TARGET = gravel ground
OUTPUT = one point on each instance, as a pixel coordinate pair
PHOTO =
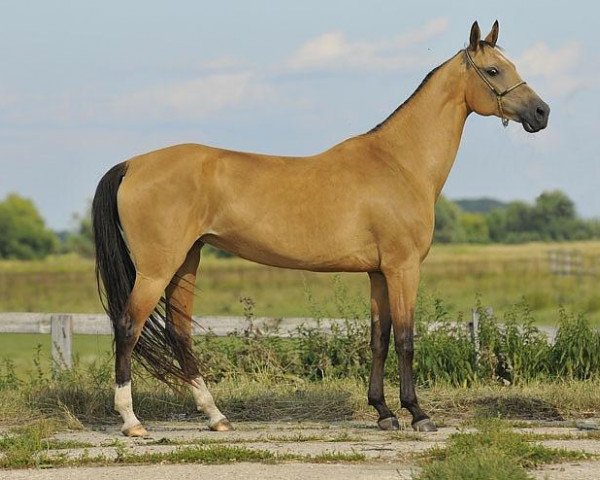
(388, 455)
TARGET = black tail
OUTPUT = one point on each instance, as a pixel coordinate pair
(160, 349)
(114, 268)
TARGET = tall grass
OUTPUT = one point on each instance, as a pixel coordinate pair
(512, 350)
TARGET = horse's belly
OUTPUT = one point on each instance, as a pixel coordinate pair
(323, 256)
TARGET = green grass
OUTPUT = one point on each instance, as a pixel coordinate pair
(21, 349)
(24, 446)
(211, 454)
(501, 274)
(337, 457)
(492, 453)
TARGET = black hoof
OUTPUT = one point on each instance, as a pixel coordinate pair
(424, 425)
(390, 423)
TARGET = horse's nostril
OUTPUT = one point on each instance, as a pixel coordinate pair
(540, 112)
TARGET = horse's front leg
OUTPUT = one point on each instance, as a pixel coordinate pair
(381, 324)
(402, 287)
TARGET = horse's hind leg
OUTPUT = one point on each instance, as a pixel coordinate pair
(180, 298)
(143, 298)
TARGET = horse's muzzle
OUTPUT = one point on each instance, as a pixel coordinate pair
(535, 118)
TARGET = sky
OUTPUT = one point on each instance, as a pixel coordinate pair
(85, 85)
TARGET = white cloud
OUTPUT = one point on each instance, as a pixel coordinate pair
(225, 63)
(195, 98)
(540, 59)
(559, 69)
(228, 82)
(333, 51)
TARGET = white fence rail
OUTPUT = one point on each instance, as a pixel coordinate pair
(99, 324)
(63, 326)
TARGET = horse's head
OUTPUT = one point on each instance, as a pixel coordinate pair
(495, 88)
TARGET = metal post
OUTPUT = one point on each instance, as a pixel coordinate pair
(61, 331)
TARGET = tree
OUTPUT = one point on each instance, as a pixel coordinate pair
(553, 205)
(81, 241)
(447, 225)
(475, 227)
(518, 217)
(554, 216)
(23, 234)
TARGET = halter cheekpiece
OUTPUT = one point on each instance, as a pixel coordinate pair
(498, 94)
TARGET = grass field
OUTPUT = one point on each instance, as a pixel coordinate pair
(501, 275)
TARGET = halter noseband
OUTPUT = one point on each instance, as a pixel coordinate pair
(498, 94)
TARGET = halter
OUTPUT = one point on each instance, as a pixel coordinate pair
(498, 94)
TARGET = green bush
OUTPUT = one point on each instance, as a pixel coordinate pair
(23, 234)
(444, 351)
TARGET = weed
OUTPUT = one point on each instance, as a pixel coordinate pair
(8, 376)
(489, 464)
(213, 454)
(575, 353)
(20, 447)
(331, 457)
(493, 452)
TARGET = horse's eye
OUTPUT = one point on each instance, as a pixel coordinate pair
(492, 71)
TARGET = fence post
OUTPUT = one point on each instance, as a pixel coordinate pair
(474, 330)
(474, 327)
(61, 331)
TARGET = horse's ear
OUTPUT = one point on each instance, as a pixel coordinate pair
(475, 36)
(492, 37)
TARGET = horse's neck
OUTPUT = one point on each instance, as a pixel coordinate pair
(424, 135)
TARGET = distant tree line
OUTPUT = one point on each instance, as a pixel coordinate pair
(552, 217)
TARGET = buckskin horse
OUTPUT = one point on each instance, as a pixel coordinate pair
(364, 205)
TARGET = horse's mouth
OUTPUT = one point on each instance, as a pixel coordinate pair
(534, 117)
(529, 128)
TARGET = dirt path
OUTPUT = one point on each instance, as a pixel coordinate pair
(387, 455)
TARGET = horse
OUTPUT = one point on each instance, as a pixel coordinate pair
(364, 205)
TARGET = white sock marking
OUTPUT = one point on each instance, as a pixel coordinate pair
(124, 405)
(205, 402)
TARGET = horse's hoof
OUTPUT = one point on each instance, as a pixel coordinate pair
(390, 423)
(135, 431)
(222, 425)
(424, 425)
